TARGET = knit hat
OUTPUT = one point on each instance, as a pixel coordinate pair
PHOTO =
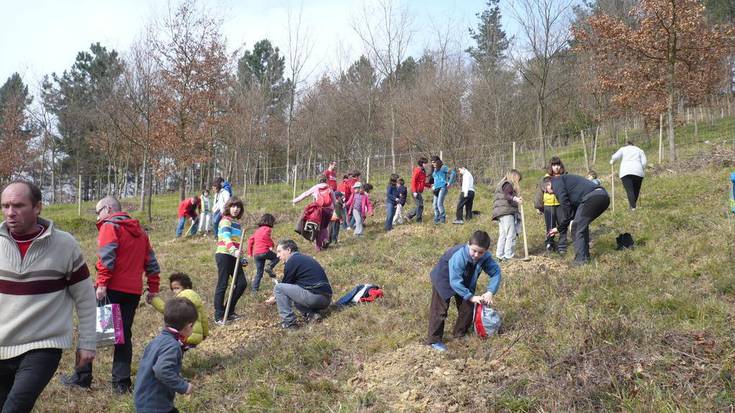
(357, 185)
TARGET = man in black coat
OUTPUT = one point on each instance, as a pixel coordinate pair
(581, 200)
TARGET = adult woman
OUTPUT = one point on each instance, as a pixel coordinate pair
(323, 198)
(632, 163)
(442, 179)
(228, 249)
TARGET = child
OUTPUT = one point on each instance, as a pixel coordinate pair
(260, 247)
(592, 176)
(547, 205)
(466, 196)
(206, 217)
(359, 207)
(181, 286)
(391, 200)
(337, 217)
(443, 179)
(158, 379)
(402, 195)
(346, 189)
(505, 211)
(456, 275)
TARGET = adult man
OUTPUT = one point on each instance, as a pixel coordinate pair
(466, 197)
(418, 184)
(456, 275)
(42, 275)
(304, 285)
(580, 200)
(188, 208)
(124, 253)
(331, 175)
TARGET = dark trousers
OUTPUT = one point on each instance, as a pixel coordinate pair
(592, 206)
(438, 310)
(216, 218)
(225, 269)
(417, 212)
(552, 216)
(334, 231)
(632, 185)
(123, 355)
(23, 378)
(260, 260)
(465, 202)
(390, 212)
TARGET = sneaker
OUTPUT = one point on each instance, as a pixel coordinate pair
(219, 322)
(313, 318)
(440, 347)
(288, 326)
(270, 272)
(233, 317)
(549, 246)
(458, 222)
(72, 380)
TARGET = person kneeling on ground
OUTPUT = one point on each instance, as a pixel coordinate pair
(456, 275)
(159, 372)
(181, 286)
(304, 286)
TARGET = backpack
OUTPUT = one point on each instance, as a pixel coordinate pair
(625, 241)
(324, 198)
(310, 231)
(485, 320)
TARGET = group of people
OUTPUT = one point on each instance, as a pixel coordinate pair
(43, 274)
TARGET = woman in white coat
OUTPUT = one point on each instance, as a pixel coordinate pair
(632, 164)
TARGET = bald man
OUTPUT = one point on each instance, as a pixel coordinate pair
(124, 254)
(42, 276)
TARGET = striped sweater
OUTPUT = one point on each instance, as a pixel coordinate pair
(228, 236)
(37, 293)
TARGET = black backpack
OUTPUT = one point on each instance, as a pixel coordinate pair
(625, 241)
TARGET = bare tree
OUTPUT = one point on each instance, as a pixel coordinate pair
(543, 39)
(300, 48)
(386, 40)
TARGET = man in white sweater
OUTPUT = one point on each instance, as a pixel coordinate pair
(632, 164)
(42, 276)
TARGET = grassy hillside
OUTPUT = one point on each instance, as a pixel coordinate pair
(643, 330)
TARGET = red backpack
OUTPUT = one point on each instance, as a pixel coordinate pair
(324, 198)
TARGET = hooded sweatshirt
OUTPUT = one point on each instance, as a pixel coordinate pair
(124, 253)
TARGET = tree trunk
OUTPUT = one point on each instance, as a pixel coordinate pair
(143, 179)
(540, 131)
(670, 113)
(182, 184)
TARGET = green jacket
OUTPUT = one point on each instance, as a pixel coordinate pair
(201, 326)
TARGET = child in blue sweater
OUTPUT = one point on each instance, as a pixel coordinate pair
(159, 379)
(391, 200)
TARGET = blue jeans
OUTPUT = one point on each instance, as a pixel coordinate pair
(216, 218)
(440, 215)
(390, 211)
(182, 223)
(260, 260)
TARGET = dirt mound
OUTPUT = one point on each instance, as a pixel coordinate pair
(417, 378)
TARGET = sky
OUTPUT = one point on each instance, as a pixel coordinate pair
(44, 36)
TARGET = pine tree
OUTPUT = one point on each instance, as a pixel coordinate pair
(492, 41)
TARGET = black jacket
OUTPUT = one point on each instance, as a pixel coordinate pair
(569, 190)
(307, 273)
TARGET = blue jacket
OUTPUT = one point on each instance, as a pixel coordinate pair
(391, 193)
(402, 194)
(442, 177)
(451, 276)
(158, 379)
(307, 273)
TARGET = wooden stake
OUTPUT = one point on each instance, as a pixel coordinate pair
(660, 137)
(612, 180)
(525, 239)
(79, 195)
(584, 146)
(367, 174)
(295, 169)
(514, 155)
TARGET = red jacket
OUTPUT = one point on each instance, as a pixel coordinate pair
(331, 179)
(260, 242)
(188, 207)
(418, 180)
(124, 253)
(345, 188)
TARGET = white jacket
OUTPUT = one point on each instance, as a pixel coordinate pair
(220, 199)
(468, 182)
(633, 160)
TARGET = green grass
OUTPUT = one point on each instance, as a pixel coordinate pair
(643, 330)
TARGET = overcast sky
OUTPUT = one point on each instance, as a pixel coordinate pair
(38, 37)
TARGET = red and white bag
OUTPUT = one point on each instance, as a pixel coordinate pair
(486, 320)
